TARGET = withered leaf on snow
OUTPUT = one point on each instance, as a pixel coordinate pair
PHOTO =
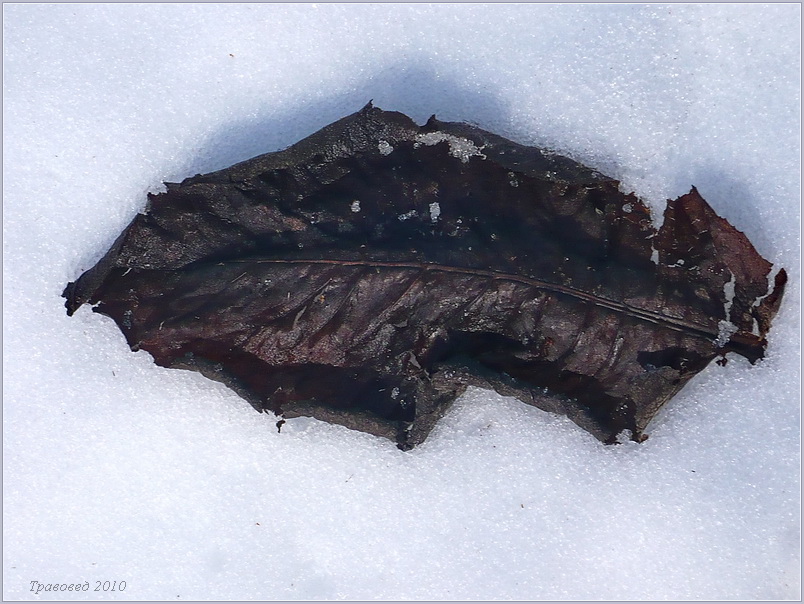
(369, 273)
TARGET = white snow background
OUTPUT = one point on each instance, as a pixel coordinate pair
(115, 469)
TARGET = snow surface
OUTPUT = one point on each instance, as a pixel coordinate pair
(116, 469)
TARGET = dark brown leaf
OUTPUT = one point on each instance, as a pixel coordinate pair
(371, 272)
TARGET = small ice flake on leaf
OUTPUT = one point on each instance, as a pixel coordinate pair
(435, 211)
(728, 292)
(385, 148)
(459, 147)
(725, 329)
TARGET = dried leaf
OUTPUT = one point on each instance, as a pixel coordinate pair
(369, 273)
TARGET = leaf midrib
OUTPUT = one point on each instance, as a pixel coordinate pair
(631, 311)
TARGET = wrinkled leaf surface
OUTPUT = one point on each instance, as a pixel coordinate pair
(371, 272)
